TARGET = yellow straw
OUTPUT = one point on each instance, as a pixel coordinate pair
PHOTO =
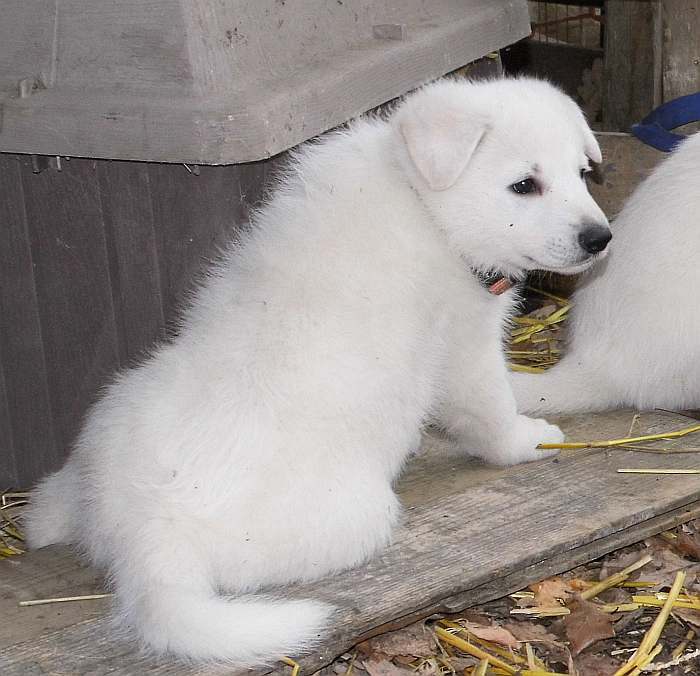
(466, 647)
(628, 440)
(646, 647)
(296, 667)
(481, 669)
(615, 579)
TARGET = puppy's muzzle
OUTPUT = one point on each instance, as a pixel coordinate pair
(594, 238)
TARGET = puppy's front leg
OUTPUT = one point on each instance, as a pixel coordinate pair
(480, 409)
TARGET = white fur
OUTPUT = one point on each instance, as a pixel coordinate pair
(634, 332)
(259, 448)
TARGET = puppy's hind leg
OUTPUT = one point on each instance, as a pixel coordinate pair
(573, 385)
(167, 595)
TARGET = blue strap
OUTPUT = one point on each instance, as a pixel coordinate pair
(654, 128)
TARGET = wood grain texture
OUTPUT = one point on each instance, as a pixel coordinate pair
(95, 260)
(29, 436)
(457, 547)
(632, 75)
(194, 216)
(681, 48)
(222, 82)
(652, 55)
(8, 469)
(49, 572)
(27, 37)
(71, 274)
(127, 211)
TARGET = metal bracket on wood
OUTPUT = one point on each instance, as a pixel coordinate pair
(43, 162)
(30, 85)
(39, 163)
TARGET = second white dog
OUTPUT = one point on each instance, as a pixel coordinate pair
(634, 331)
(259, 448)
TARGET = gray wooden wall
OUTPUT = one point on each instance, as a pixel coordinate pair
(94, 260)
(652, 55)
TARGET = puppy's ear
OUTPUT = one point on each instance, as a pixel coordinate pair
(440, 137)
(591, 147)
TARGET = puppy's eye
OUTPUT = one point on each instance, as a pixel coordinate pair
(524, 187)
(584, 171)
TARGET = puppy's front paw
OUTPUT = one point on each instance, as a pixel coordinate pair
(521, 444)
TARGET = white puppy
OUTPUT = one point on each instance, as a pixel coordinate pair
(634, 332)
(260, 446)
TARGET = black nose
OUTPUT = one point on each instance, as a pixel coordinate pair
(594, 238)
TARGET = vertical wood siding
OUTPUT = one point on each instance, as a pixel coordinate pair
(95, 261)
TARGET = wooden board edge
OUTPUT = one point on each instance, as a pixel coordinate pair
(502, 586)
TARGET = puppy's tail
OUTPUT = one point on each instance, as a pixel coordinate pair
(244, 631)
(572, 386)
(52, 513)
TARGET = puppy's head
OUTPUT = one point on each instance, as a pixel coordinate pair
(500, 165)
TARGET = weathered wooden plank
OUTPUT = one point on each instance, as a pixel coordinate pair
(131, 243)
(193, 216)
(501, 586)
(30, 424)
(527, 515)
(27, 37)
(8, 469)
(71, 274)
(681, 48)
(632, 78)
(467, 545)
(218, 83)
(46, 573)
(87, 621)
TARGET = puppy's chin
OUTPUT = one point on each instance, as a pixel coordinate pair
(573, 268)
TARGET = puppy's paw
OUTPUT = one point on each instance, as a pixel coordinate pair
(521, 444)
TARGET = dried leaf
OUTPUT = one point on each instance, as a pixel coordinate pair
(472, 615)
(615, 595)
(620, 560)
(586, 624)
(526, 602)
(415, 640)
(596, 665)
(492, 633)
(578, 585)
(687, 544)
(459, 664)
(384, 668)
(667, 564)
(531, 632)
(692, 617)
(550, 592)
